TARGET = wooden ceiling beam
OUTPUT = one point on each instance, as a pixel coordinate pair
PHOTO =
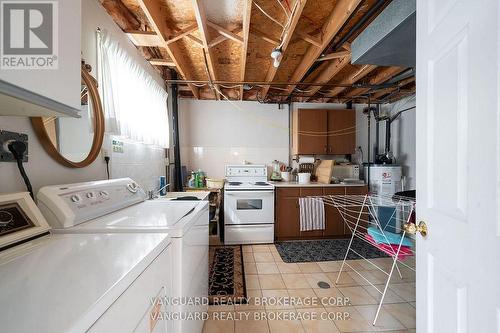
(402, 83)
(161, 62)
(225, 32)
(264, 36)
(340, 14)
(247, 14)
(310, 39)
(219, 39)
(332, 69)
(158, 21)
(150, 38)
(201, 20)
(298, 7)
(183, 33)
(381, 77)
(334, 55)
(351, 79)
(143, 38)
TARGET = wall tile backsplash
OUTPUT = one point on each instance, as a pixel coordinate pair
(143, 163)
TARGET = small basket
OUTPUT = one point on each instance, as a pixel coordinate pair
(215, 183)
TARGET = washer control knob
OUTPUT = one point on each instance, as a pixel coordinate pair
(103, 193)
(90, 195)
(75, 198)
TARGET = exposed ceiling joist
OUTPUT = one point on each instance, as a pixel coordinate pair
(162, 62)
(219, 39)
(184, 32)
(264, 36)
(351, 79)
(247, 14)
(294, 20)
(224, 32)
(144, 38)
(334, 55)
(381, 77)
(199, 12)
(340, 14)
(308, 38)
(332, 69)
(158, 21)
(385, 91)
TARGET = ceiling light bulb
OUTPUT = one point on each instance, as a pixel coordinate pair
(276, 54)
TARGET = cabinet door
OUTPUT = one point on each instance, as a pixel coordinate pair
(287, 218)
(354, 211)
(312, 131)
(334, 221)
(341, 131)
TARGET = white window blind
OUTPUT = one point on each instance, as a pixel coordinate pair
(135, 105)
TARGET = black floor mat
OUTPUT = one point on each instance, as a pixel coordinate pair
(325, 250)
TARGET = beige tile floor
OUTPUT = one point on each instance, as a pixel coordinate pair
(269, 277)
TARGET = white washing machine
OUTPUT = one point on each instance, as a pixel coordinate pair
(84, 282)
(119, 206)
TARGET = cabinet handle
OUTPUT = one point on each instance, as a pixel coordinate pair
(326, 149)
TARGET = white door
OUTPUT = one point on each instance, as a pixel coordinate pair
(458, 160)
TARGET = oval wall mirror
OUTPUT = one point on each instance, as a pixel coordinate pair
(75, 142)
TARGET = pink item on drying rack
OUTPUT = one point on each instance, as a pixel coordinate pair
(404, 252)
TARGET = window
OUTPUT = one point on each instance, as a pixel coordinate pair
(135, 105)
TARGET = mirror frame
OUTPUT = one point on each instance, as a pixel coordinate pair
(43, 136)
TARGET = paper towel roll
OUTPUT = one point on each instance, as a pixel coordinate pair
(306, 159)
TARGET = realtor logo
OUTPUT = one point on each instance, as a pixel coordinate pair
(29, 34)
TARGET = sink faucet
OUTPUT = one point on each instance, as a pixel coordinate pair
(153, 194)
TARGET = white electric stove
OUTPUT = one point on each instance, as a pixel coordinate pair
(119, 206)
(248, 205)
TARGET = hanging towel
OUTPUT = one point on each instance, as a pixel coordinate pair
(390, 237)
(312, 214)
(404, 252)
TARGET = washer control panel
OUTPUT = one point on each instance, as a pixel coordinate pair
(69, 205)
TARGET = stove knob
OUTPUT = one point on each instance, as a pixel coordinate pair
(75, 198)
(90, 195)
(103, 193)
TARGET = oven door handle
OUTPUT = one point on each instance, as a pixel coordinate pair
(255, 192)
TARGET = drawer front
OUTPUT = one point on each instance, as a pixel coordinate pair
(249, 234)
(289, 192)
(311, 191)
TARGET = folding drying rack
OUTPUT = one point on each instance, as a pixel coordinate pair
(362, 211)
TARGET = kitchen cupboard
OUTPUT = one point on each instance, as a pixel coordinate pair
(287, 218)
(323, 132)
(49, 89)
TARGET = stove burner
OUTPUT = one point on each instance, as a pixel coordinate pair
(234, 183)
(261, 183)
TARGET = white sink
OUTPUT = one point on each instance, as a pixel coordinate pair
(201, 195)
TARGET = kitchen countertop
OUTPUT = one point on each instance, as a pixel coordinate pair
(311, 184)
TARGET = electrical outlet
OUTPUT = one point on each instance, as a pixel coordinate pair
(7, 137)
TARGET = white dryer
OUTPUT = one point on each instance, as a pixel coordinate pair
(119, 206)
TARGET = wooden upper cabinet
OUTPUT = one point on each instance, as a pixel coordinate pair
(310, 127)
(341, 131)
(323, 132)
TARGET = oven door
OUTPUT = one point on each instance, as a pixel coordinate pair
(249, 207)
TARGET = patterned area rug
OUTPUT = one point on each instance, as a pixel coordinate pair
(325, 250)
(226, 278)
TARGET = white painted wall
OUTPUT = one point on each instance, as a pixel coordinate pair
(216, 133)
(142, 162)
